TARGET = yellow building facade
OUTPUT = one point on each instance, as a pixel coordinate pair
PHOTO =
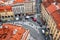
(9, 15)
(50, 23)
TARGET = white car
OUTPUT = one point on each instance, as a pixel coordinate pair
(27, 17)
(17, 18)
(43, 31)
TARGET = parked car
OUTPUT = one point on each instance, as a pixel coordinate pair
(34, 19)
(27, 17)
(39, 23)
(17, 18)
(43, 31)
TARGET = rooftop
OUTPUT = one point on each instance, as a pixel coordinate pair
(3, 8)
(46, 3)
(54, 11)
(7, 7)
(56, 17)
(52, 8)
(58, 1)
(13, 32)
(19, 1)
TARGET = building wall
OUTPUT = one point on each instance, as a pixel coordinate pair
(30, 7)
(26, 35)
(51, 23)
(7, 15)
(26, 7)
(18, 8)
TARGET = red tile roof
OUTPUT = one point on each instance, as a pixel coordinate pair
(1, 8)
(51, 8)
(8, 8)
(58, 5)
(51, 1)
(7, 32)
(46, 4)
(15, 0)
(19, 1)
(3, 0)
(56, 17)
(55, 14)
(58, 1)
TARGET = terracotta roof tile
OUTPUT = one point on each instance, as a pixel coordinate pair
(8, 8)
(58, 1)
(8, 30)
(46, 4)
(51, 1)
(58, 4)
(19, 1)
(56, 17)
(55, 14)
(51, 8)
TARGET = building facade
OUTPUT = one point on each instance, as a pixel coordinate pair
(51, 15)
(18, 9)
(25, 7)
(6, 13)
(30, 7)
(7, 16)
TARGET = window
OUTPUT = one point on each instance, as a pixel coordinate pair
(11, 16)
(19, 14)
(55, 38)
(15, 15)
(3, 17)
(57, 31)
(54, 23)
(56, 35)
(8, 16)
